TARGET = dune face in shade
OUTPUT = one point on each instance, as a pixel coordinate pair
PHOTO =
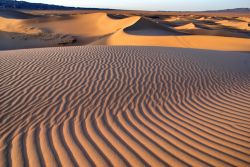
(124, 106)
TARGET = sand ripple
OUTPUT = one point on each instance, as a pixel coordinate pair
(124, 106)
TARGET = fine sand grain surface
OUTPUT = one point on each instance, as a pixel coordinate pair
(124, 106)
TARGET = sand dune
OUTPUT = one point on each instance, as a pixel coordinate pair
(235, 24)
(172, 18)
(186, 26)
(18, 26)
(14, 14)
(20, 33)
(51, 30)
(211, 26)
(152, 33)
(144, 26)
(86, 25)
(182, 41)
(202, 18)
(200, 28)
(246, 19)
(124, 106)
(20, 30)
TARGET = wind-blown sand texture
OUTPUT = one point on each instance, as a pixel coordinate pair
(124, 106)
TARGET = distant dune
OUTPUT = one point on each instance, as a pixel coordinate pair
(146, 27)
(235, 10)
(188, 26)
(124, 106)
(35, 29)
(14, 14)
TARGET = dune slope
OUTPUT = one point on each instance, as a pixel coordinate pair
(15, 14)
(144, 26)
(124, 106)
(181, 41)
(85, 25)
(146, 32)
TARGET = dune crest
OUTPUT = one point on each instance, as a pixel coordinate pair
(235, 24)
(147, 27)
(186, 26)
(95, 24)
(124, 106)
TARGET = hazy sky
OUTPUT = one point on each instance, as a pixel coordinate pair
(167, 5)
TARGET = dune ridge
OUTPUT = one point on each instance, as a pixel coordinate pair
(244, 25)
(147, 27)
(15, 14)
(124, 106)
(187, 26)
(153, 33)
(190, 41)
(94, 24)
(18, 31)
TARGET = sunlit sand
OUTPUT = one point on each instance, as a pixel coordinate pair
(175, 93)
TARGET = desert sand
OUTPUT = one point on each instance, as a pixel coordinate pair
(177, 95)
(124, 106)
(19, 30)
